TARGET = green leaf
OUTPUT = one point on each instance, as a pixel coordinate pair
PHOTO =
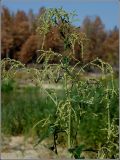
(76, 152)
(46, 134)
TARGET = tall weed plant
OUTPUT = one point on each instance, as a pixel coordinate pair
(86, 102)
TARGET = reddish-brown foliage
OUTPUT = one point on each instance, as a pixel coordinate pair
(111, 47)
(19, 38)
(20, 29)
(29, 50)
(6, 34)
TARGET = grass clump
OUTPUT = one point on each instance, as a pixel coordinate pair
(22, 109)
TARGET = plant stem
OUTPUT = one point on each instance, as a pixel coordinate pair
(108, 112)
(82, 51)
(65, 84)
(108, 122)
(69, 105)
(73, 48)
(43, 41)
(109, 132)
(69, 127)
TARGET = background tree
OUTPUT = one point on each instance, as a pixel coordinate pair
(6, 34)
(95, 32)
(111, 47)
(31, 19)
(28, 52)
(20, 30)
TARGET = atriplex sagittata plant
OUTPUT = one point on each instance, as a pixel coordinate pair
(79, 93)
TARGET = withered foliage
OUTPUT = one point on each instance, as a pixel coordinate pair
(20, 41)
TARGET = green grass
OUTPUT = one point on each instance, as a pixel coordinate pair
(23, 108)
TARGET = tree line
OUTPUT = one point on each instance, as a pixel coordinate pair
(20, 41)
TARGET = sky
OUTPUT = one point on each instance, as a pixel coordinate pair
(107, 10)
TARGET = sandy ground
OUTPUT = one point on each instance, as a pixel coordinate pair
(20, 148)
